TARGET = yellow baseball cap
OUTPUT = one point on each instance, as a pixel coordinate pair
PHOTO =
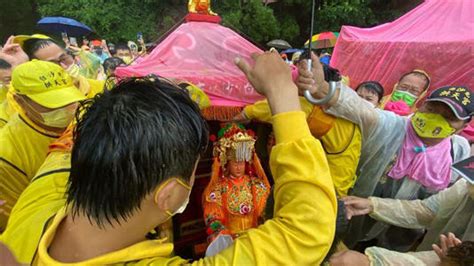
(45, 83)
(20, 39)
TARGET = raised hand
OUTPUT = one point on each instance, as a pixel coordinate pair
(356, 206)
(445, 243)
(311, 80)
(12, 53)
(271, 76)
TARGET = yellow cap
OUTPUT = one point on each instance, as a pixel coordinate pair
(20, 39)
(45, 83)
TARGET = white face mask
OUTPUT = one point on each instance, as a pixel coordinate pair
(59, 118)
(183, 207)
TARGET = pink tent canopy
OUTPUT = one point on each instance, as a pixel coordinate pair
(437, 36)
(202, 53)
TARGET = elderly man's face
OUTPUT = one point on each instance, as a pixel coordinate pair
(412, 83)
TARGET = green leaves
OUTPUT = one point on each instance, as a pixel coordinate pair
(120, 20)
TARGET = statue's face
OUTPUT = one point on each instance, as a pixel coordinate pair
(236, 169)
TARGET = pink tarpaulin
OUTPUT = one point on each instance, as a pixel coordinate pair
(202, 53)
(437, 36)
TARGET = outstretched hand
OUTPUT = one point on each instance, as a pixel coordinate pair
(311, 80)
(271, 76)
(356, 206)
(12, 53)
(445, 243)
(268, 74)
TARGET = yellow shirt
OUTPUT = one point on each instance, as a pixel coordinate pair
(301, 231)
(340, 138)
(38, 203)
(24, 147)
(8, 107)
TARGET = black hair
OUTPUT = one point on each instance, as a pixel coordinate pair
(121, 46)
(31, 46)
(4, 64)
(463, 254)
(418, 74)
(373, 86)
(127, 142)
(111, 63)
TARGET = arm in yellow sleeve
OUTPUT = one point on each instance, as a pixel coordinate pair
(261, 110)
(303, 226)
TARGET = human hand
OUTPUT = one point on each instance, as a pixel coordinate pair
(356, 206)
(312, 80)
(349, 257)
(271, 76)
(241, 118)
(12, 53)
(446, 242)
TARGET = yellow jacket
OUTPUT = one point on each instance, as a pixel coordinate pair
(24, 147)
(340, 138)
(300, 233)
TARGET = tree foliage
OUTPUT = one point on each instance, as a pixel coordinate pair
(120, 20)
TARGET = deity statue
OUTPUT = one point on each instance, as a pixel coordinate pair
(200, 7)
(235, 198)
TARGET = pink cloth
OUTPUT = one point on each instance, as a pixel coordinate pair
(398, 107)
(468, 133)
(202, 53)
(430, 166)
(436, 36)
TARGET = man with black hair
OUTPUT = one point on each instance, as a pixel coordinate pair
(123, 52)
(42, 47)
(5, 78)
(132, 168)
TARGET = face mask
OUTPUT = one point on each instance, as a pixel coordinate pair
(98, 51)
(126, 59)
(405, 96)
(59, 118)
(186, 201)
(3, 88)
(429, 125)
(371, 103)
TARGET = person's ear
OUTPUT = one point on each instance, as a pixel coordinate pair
(161, 197)
(164, 195)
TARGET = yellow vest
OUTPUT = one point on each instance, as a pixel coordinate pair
(340, 138)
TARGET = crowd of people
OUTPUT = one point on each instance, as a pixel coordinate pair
(90, 165)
